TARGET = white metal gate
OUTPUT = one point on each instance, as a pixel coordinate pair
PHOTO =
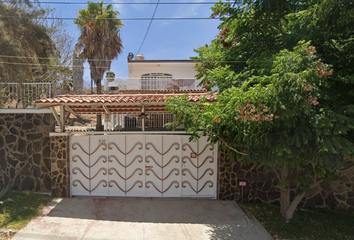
(142, 166)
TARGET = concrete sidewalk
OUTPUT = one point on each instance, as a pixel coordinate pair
(143, 218)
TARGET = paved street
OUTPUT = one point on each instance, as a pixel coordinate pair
(142, 218)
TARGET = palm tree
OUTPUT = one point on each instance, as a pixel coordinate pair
(100, 40)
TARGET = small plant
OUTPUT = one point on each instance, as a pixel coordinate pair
(110, 74)
(3, 192)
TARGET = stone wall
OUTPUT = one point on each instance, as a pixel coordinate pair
(60, 166)
(25, 150)
(261, 186)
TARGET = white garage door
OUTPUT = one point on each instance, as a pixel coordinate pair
(142, 166)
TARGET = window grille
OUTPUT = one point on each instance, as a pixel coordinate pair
(152, 121)
(155, 80)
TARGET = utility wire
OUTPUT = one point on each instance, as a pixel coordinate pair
(71, 67)
(13, 56)
(122, 3)
(51, 58)
(143, 25)
(49, 65)
(147, 31)
(123, 19)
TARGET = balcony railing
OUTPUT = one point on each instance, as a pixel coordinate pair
(115, 84)
(22, 95)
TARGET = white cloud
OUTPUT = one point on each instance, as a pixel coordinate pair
(134, 10)
(142, 7)
(194, 10)
(190, 11)
(120, 7)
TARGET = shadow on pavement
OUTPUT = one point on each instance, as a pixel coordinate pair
(157, 210)
(94, 218)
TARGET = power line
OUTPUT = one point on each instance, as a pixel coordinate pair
(71, 67)
(115, 60)
(123, 19)
(147, 31)
(49, 65)
(121, 3)
(51, 58)
(142, 25)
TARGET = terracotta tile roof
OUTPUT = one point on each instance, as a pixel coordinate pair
(121, 98)
(119, 109)
(161, 91)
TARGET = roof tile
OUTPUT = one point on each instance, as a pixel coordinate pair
(123, 98)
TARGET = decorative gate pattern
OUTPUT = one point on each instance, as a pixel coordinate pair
(163, 163)
(126, 165)
(142, 165)
(198, 173)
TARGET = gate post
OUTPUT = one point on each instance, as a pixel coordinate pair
(60, 169)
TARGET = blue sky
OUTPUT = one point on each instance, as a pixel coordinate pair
(168, 39)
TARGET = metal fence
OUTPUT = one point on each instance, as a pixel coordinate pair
(152, 121)
(22, 95)
(112, 85)
(134, 121)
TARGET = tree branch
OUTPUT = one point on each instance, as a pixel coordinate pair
(346, 168)
(275, 172)
(227, 145)
(315, 184)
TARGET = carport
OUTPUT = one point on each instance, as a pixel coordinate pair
(140, 163)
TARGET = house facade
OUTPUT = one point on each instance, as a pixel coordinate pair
(150, 76)
(155, 75)
(135, 156)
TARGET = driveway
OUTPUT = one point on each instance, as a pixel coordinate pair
(142, 218)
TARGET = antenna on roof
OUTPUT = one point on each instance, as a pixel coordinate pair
(130, 56)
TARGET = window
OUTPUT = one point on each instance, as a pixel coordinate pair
(152, 121)
(155, 80)
(158, 120)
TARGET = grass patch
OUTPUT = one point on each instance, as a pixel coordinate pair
(307, 224)
(25, 206)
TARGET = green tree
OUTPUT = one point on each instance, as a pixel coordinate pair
(58, 70)
(25, 44)
(282, 102)
(100, 40)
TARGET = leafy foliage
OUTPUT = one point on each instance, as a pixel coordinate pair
(284, 73)
(333, 224)
(25, 44)
(59, 71)
(33, 49)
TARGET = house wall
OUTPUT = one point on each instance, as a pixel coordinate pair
(25, 149)
(261, 186)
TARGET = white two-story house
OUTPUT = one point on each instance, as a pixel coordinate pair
(150, 76)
